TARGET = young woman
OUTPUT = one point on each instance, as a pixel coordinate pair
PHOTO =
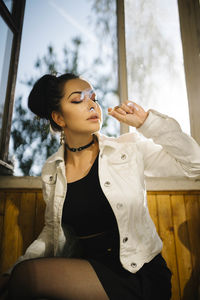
(99, 241)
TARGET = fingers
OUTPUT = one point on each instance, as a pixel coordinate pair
(127, 107)
(118, 114)
(119, 109)
(129, 113)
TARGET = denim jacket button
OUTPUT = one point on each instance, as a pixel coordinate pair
(123, 156)
(125, 239)
(133, 265)
(119, 205)
(50, 178)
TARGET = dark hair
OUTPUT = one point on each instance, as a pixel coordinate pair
(46, 95)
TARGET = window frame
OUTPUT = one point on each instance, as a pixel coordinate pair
(14, 20)
(189, 16)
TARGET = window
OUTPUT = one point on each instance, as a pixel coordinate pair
(9, 4)
(11, 20)
(68, 39)
(155, 67)
(5, 55)
(84, 40)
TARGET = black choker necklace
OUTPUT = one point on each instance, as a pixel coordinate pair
(80, 148)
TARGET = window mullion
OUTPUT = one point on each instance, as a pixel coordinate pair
(189, 14)
(122, 71)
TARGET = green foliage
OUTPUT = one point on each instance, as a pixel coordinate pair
(32, 141)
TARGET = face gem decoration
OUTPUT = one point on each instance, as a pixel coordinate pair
(131, 104)
(87, 94)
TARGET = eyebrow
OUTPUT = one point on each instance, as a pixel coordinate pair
(76, 92)
(79, 92)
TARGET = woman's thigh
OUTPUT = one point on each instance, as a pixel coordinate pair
(55, 278)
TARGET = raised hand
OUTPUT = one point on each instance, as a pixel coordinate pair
(129, 113)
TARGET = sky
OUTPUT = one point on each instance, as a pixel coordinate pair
(50, 21)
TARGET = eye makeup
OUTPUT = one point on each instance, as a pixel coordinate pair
(85, 95)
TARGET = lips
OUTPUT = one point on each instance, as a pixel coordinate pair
(93, 117)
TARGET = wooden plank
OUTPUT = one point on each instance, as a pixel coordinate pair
(152, 205)
(193, 222)
(20, 190)
(168, 192)
(11, 231)
(27, 220)
(39, 214)
(2, 210)
(184, 259)
(167, 236)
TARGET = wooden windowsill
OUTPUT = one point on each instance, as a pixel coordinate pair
(152, 184)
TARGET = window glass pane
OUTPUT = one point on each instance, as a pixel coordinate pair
(154, 58)
(5, 52)
(9, 4)
(77, 36)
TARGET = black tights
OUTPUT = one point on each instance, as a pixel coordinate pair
(55, 278)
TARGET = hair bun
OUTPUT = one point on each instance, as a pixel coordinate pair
(39, 96)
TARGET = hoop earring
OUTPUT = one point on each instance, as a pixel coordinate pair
(62, 137)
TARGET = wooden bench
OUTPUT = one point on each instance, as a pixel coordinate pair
(175, 214)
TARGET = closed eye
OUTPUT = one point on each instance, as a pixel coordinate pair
(76, 102)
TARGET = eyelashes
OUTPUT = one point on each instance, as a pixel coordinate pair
(76, 102)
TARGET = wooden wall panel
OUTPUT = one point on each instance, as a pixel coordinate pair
(175, 214)
(11, 232)
(39, 214)
(183, 254)
(27, 219)
(2, 210)
(193, 223)
(152, 205)
(165, 221)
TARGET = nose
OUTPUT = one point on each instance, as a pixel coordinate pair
(91, 104)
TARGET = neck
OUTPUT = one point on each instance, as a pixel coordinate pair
(77, 157)
(77, 140)
(81, 148)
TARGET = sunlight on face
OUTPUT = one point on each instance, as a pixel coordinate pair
(79, 106)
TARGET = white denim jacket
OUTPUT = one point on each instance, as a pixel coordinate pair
(123, 164)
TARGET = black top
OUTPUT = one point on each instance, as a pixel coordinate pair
(86, 209)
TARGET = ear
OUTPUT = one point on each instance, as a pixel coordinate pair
(58, 118)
